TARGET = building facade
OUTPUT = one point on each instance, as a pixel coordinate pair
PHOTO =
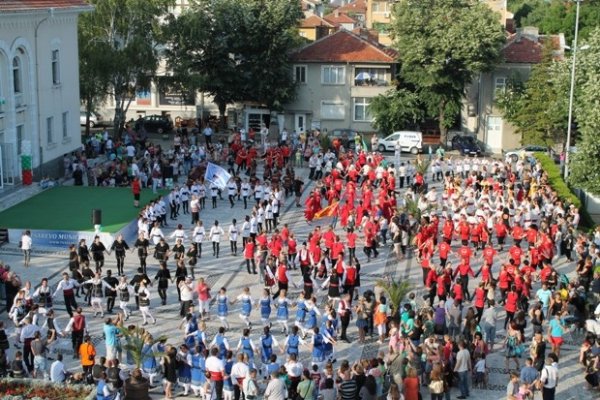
(39, 85)
(337, 76)
(481, 115)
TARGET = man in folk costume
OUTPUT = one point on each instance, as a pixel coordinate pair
(303, 258)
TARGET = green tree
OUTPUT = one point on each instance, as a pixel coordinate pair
(236, 50)
(583, 166)
(556, 16)
(395, 109)
(442, 45)
(539, 107)
(94, 70)
(128, 34)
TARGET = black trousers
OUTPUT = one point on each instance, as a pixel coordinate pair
(120, 263)
(233, 245)
(216, 247)
(28, 354)
(345, 320)
(76, 340)
(218, 388)
(248, 262)
(163, 295)
(237, 393)
(110, 303)
(214, 201)
(143, 263)
(70, 303)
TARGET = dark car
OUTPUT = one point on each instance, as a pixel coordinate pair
(157, 123)
(466, 145)
(345, 136)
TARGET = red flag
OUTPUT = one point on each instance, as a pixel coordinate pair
(328, 211)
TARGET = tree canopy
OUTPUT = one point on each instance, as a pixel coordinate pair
(557, 16)
(442, 45)
(236, 50)
(395, 109)
(583, 167)
(127, 35)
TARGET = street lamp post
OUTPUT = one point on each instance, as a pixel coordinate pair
(572, 91)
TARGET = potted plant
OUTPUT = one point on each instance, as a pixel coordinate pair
(395, 293)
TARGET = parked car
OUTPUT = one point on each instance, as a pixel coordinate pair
(157, 123)
(466, 145)
(345, 136)
(528, 150)
(410, 141)
(95, 119)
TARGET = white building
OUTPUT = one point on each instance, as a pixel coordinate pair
(39, 84)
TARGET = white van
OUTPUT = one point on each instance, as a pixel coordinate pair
(410, 141)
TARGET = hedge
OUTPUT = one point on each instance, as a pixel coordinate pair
(557, 183)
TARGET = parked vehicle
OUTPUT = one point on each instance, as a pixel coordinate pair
(410, 141)
(157, 123)
(95, 119)
(345, 136)
(514, 154)
(466, 145)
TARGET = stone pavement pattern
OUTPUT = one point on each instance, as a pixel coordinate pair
(230, 272)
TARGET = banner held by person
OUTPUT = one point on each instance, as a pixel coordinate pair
(217, 175)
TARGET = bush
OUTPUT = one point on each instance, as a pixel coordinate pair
(557, 183)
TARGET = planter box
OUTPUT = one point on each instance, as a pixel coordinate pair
(36, 389)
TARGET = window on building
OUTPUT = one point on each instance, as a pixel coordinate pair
(17, 81)
(55, 67)
(49, 129)
(300, 73)
(20, 131)
(361, 109)
(370, 77)
(332, 110)
(65, 124)
(333, 75)
(500, 85)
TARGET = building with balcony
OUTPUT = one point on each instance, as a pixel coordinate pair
(337, 76)
(39, 85)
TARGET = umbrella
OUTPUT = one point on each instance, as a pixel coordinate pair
(362, 76)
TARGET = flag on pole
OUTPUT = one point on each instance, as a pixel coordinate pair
(328, 211)
(217, 175)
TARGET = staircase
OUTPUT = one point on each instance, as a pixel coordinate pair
(3, 236)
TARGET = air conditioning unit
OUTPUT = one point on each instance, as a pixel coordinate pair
(386, 14)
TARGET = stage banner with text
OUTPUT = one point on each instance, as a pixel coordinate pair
(62, 239)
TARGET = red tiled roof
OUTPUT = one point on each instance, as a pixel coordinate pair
(314, 21)
(522, 50)
(339, 19)
(344, 46)
(22, 5)
(357, 6)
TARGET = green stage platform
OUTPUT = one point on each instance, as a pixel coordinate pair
(69, 208)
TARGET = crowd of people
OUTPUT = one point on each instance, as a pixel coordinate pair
(488, 239)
